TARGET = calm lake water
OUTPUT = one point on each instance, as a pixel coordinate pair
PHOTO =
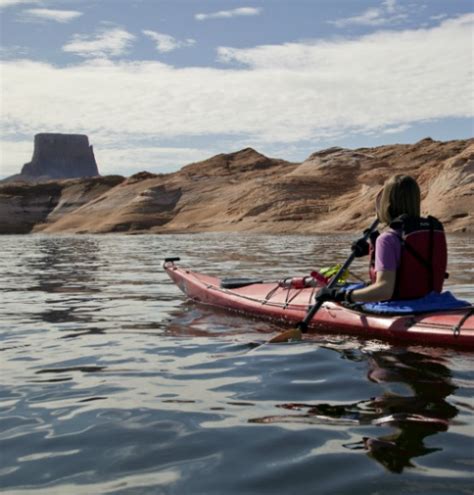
(112, 383)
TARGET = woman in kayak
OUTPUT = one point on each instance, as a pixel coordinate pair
(408, 261)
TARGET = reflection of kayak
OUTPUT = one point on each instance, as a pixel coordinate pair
(288, 304)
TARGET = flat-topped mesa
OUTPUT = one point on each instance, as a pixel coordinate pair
(61, 156)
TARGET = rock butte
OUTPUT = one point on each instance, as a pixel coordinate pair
(58, 156)
(332, 191)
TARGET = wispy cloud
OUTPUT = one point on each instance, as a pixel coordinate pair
(11, 3)
(389, 12)
(62, 16)
(107, 43)
(13, 51)
(390, 5)
(226, 14)
(14, 154)
(166, 43)
(397, 129)
(288, 93)
(117, 159)
(438, 17)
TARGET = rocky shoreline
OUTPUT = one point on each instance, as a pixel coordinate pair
(332, 191)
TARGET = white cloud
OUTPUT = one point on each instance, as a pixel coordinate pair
(382, 53)
(389, 12)
(166, 43)
(62, 16)
(107, 43)
(397, 129)
(226, 14)
(283, 94)
(13, 51)
(13, 155)
(438, 17)
(390, 6)
(10, 3)
(128, 161)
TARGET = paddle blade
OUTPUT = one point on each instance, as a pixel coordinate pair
(293, 334)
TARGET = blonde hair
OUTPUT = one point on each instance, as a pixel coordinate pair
(400, 195)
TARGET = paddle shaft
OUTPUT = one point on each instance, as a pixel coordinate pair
(303, 325)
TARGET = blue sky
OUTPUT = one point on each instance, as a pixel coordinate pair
(159, 84)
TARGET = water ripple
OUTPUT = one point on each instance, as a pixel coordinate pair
(112, 383)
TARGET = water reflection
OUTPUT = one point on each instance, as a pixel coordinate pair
(413, 417)
(63, 266)
(425, 413)
(109, 378)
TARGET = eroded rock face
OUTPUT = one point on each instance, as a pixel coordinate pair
(332, 191)
(61, 156)
(24, 207)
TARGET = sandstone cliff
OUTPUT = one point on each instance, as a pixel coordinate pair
(333, 190)
(24, 207)
(59, 156)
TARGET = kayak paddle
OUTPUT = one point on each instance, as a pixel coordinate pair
(302, 326)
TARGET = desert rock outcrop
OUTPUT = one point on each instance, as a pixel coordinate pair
(332, 191)
(24, 207)
(59, 156)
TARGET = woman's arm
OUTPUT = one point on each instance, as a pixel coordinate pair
(381, 290)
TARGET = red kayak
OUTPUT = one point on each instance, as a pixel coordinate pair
(288, 305)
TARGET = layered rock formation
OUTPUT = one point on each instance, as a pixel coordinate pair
(59, 156)
(24, 207)
(333, 190)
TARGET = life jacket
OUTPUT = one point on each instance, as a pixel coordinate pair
(423, 258)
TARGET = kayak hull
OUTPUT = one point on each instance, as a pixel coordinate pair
(286, 305)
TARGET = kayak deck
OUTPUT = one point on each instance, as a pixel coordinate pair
(289, 306)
